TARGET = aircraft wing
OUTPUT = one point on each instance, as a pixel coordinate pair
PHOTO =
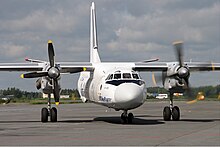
(163, 66)
(203, 66)
(20, 67)
(66, 67)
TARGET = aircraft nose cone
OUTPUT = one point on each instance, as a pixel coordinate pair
(129, 93)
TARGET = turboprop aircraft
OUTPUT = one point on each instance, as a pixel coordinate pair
(116, 85)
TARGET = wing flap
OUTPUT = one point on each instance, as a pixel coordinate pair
(157, 66)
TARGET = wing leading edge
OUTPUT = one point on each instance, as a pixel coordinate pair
(66, 67)
(163, 66)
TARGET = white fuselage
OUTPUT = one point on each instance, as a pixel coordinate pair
(114, 85)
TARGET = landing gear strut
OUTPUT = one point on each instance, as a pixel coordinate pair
(171, 110)
(127, 118)
(46, 112)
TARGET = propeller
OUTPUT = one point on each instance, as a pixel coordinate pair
(53, 73)
(183, 71)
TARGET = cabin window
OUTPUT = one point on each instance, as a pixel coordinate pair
(126, 75)
(117, 76)
(135, 76)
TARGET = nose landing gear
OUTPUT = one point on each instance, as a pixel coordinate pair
(127, 118)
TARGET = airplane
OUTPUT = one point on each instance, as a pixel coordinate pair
(116, 85)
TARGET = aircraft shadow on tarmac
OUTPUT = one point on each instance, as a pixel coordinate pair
(116, 120)
(136, 121)
(199, 120)
(19, 121)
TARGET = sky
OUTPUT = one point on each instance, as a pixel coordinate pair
(128, 30)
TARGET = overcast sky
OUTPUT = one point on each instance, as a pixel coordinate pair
(128, 30)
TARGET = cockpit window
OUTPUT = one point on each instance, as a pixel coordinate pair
(126, 76)
(109, 77)
(135, 76)
(117, 76)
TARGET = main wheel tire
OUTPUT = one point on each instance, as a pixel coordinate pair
(166, 113)
(130, 118)
(176, 113)
(44, 115)
(53, 114)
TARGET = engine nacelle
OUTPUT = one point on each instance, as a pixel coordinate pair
(175, 79)
(46, 85)
(175, 85)
(38, 84)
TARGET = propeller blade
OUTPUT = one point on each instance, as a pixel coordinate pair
(56, 91)
(178, 45)
(157, 78)
(154, 80)
(34, 75)
(200, 96)
(51, 53)
(189, 91)
(192, 101)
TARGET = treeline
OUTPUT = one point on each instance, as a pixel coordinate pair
(208, 91)
(17, 93)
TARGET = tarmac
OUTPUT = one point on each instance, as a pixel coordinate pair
(90, 124)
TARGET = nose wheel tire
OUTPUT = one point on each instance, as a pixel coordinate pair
(44, 115)
(124, 118)
(130, 118)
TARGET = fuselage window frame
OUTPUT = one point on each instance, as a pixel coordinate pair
(126, 76)
(117, 76)
(135, 76)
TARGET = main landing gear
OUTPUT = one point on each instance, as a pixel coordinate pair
(127, 117)
(46, 112)
(171, 110)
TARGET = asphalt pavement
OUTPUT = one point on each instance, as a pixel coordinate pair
(90, 124)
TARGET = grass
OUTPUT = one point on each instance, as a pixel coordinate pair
(41, 101)
(38, 101)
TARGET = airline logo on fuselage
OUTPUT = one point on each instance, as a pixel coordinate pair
(104, 99)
